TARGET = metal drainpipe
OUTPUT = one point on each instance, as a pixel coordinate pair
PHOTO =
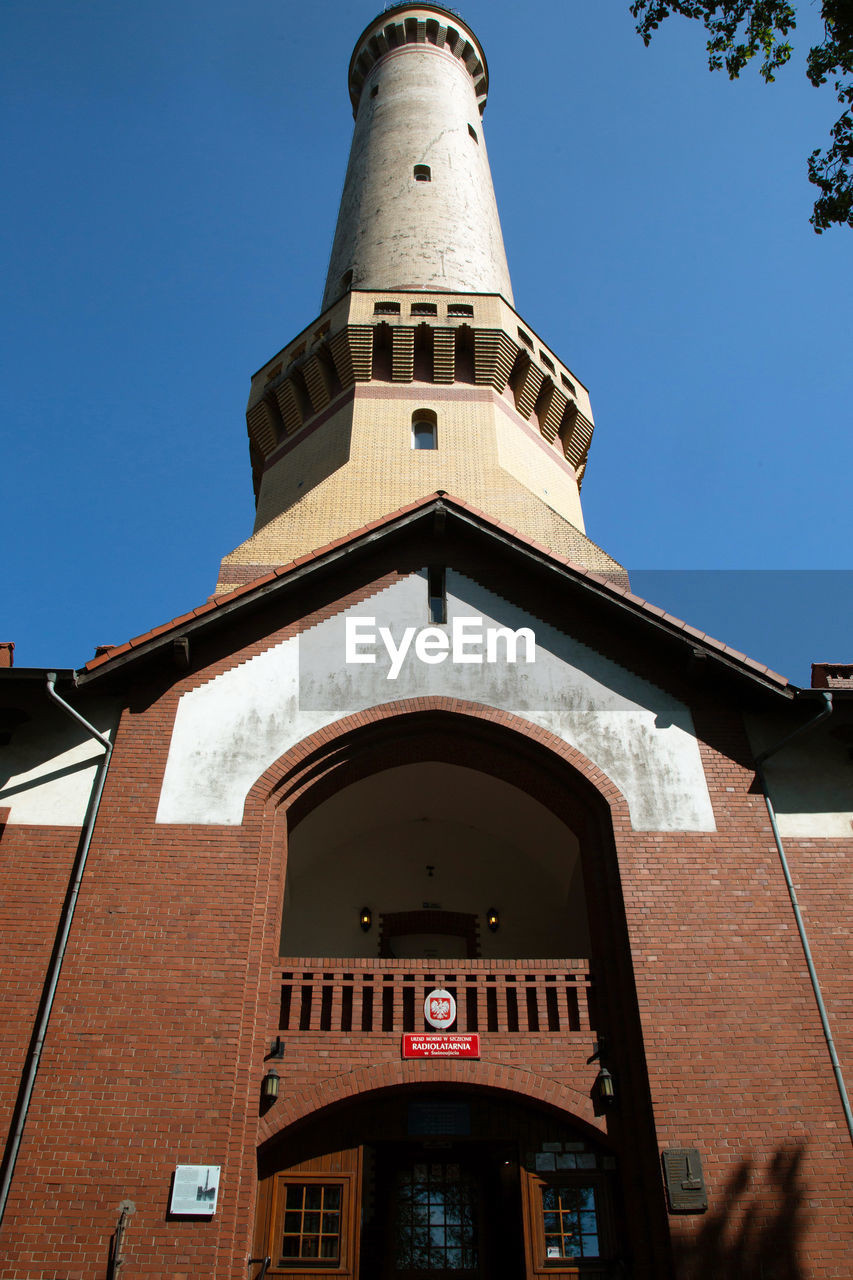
(13, 1143)
(792, 893)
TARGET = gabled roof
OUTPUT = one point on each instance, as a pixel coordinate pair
(436, 513)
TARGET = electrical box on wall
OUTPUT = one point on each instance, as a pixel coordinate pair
(685, 1183)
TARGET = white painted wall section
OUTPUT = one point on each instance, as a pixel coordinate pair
(810, 781)
(49, 768)
(229, 731)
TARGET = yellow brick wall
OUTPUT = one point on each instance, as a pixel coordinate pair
(359, 466)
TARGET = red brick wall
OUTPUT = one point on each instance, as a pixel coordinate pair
(35, 867)
(169, 1000)
(738, 1063)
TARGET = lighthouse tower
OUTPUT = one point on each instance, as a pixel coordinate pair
(418, 375)
(421, 905)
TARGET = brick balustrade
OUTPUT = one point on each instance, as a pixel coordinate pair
(376, 996)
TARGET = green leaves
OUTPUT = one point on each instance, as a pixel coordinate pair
(740, 30)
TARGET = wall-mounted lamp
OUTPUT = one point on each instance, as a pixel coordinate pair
(493, 920)
(602, 1093)
(365, 918)
(603, 1088)
(269, 1086)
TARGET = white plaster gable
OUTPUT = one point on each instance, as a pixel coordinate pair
(49, 768)
(230, 730)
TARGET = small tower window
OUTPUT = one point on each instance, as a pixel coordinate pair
(374, 91)
(436, 594)
(386, 308)
(570, 386)
(460, 309)
(423, 173)
(424, 429)
(346, 281)
(473, 133)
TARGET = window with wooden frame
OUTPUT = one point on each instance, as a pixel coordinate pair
(311, 1224)
(569, 1225)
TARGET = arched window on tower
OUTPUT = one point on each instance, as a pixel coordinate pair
(422, 173)
(424, 429)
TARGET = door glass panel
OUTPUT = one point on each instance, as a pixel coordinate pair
(435, 1219)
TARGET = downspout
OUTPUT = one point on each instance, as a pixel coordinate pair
(823, 714)
(25, 1093)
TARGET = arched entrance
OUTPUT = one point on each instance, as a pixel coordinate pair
(425, 1183)
(354, 818)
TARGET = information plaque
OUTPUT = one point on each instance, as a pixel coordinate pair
(195, 1189)
(441, 1046)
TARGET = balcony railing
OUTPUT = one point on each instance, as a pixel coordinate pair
(375, 996)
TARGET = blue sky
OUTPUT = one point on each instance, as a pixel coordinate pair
(173, 173)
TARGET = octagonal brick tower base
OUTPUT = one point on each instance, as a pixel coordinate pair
(331, 427)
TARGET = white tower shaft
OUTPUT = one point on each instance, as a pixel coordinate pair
(418, 209)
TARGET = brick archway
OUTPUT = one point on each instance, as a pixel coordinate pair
(351, 747)
(524, 1085)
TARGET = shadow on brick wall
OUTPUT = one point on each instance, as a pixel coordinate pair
(758, 1232)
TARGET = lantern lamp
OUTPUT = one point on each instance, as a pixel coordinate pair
(493, 920)
(604, 1091)
(365, 918)
(269, 1085)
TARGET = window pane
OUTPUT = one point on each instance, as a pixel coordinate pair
(569, 1222)
(423, 435)
(312, 1221)
(438, 1233)
(571, 1247)
(590, 1246)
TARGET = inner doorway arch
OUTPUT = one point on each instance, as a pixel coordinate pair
(437, 1183)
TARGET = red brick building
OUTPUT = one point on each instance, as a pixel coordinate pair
(424, 739)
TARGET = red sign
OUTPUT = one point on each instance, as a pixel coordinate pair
(441, 1046)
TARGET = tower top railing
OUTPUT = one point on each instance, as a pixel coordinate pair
(411, 23)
